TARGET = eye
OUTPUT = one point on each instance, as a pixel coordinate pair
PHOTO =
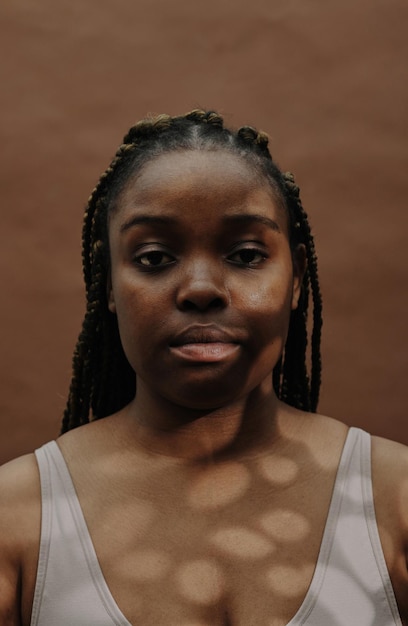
(248, 257)
(153, 259)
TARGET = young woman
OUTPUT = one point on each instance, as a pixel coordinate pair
(211, 493)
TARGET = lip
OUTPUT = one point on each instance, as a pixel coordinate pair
(204, 344)
(210, 352)
(203, 334)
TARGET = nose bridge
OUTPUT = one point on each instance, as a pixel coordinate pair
(203, 266)
(202, 282)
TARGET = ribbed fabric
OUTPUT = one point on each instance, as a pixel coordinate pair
(350, 585)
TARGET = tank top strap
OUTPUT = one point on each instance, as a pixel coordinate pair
(43, 462)
(351, 584)
(70, 586)
(368, 499)
(313, 596)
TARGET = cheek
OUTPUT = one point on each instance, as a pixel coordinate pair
(134, 298)
(269, 320)
(133, 310)
(271, 302)
(144, 306)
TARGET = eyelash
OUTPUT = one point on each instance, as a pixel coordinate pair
(149, 267)
(153, 253)
(257, 252)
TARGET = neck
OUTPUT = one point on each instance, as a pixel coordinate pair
(241, 428)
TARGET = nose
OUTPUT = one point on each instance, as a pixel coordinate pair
(202, 287)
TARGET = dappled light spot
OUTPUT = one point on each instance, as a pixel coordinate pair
(242, 543)
(151, 565)
(285, 525)
(290, 581)
(219, 485)
(279, 470)
(201, 581)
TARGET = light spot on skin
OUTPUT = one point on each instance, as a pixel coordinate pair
(201, 581)
(242, 543)
(151, 565)
(285, 525)
(290, 581)
(278, 470)
(219, 486)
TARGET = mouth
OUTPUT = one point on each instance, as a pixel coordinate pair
(204, 344)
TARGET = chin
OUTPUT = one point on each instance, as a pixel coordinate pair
(212, 397)
(208, 402)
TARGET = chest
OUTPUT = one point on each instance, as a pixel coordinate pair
(236, 561)
(229, 548)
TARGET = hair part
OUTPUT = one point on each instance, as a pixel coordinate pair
(103, 381)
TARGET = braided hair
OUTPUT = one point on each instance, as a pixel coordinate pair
(103, 381)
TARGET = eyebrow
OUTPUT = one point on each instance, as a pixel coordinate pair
(138, 220)
(252, 217)
(236, 218)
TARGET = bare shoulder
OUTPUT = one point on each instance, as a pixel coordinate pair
(20, 514)
(390, 483)
(390, 470)
(390, 487)
(20, 490)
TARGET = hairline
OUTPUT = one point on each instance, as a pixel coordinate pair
(253, 161)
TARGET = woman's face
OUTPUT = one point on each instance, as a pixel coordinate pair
(202, 278)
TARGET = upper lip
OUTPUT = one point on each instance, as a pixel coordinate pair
(203, 334)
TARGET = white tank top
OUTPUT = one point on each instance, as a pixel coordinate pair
(350, 586)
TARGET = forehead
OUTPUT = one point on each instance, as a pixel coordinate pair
(210, 183)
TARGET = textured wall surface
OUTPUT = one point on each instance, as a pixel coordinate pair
(328, 81)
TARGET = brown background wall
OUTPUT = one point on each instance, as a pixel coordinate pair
(327, 80)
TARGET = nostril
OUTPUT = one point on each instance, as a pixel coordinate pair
(200, 291)
(202, 304)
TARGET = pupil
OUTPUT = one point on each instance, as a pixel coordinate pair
(155, 258)
(247, 256)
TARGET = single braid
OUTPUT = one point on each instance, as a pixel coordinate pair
(252, 136)
(204, 117)
(103, 381)
(311, 278)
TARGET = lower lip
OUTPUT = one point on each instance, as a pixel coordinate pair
(205, 352)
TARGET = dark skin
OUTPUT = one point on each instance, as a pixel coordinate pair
(218, 493)
(230, 274)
